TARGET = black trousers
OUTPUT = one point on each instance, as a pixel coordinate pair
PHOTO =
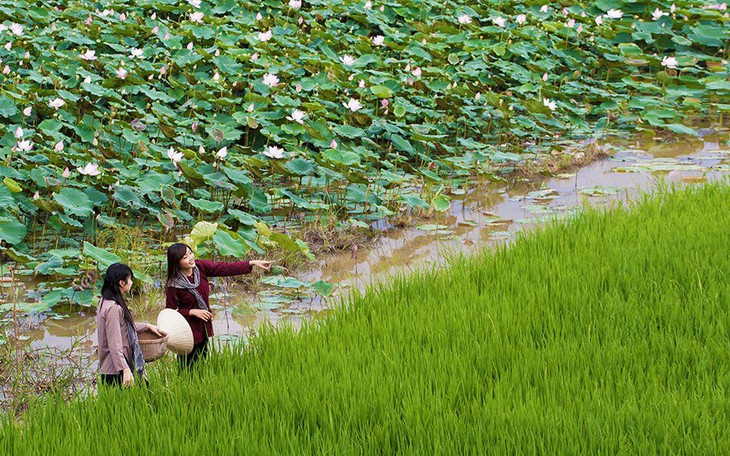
(116, 379)
(200, 350)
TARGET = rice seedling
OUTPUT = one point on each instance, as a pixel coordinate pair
(603, 334)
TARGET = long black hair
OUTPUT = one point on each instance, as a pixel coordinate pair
(110, 289)
(175, 253)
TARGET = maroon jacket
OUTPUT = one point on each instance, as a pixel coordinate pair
(184, 301)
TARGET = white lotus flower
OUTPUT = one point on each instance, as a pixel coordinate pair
(297, 116)
(571, 23)
(521, 19)
(137, 53)
(88, 55)
(56, 103)
(216, 77)
(222, 152)
(271, 80)
(176, 157)
(347, 60)
(361, 84)
(196, 16)
(265, 36)
(259, 16)
(59, 146)
(18, 133)
(24, 146)
(599, 20)
(91, 169)
(17, 29)
(295, 4)
(87, 79)
(353, 105)
(464, 19)
(544, 8)
(274, 152)
(669, 62)
(121, 73)
(8, 45)
(417, 72)
(378, 40)
(190, 46)
(368, 5)
(195, 3)
(672, 8)
(545, 77)
(6, 70)
(500, 21)
(250, 108)
(553, 105)
(27, 111)
(614, 14)
(122, 17)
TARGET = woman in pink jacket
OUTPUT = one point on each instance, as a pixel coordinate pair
(119, 351)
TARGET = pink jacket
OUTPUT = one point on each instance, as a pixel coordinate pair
(111, 332)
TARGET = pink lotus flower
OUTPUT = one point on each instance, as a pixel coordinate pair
(91, 169)
(599, 20)
(222, 152)
(56, 103)
(368, 5)
(614, 14)
(295, 4)
(216, 77)
(265, 36)
(347, 60)
(378, 40)
(89, 20)
(122, 17)
(155, 30)
(580, 28)
(298, 88)
(121, 73)
(669, 62)
(88, 55)
(544, 8)
(196, 17)
(27, 111)
(8, 45)
(464, 19)
(361, 84)
(333, 144)
(571, 23)
(176, 157)
(6, 70)
(657, 14)
(500, 21)
(384, 103)
(297, 116)
(521, 19)
(416, 72)
(87, 79)
(190, 46)
(255, 56)
(270, 80)
(250, 108)
(259, 16)
(66, 173)
(24, 146)
(17, 29)
(545, 77)
(59, 146)
(154, 16)
(18, 133)
(138, 53)
(274, 152)
(195, 3)
(353, 105)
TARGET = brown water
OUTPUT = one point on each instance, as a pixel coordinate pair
(475, 220)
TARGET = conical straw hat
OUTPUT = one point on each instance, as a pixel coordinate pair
(180, 336)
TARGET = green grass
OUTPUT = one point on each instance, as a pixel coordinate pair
(607, 334)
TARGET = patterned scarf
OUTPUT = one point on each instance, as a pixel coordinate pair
(136, 349)
(183, 283)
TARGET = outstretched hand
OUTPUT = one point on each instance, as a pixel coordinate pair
(154, 329)
(263, 264)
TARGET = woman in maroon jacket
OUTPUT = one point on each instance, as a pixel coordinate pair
(188, 290)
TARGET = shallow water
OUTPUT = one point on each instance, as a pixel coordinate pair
(481, 217)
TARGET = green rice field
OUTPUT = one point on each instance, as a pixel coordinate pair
(605, 334)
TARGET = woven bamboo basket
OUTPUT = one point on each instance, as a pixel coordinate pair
(153, 346)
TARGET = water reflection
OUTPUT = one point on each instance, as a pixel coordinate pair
(491, 213)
